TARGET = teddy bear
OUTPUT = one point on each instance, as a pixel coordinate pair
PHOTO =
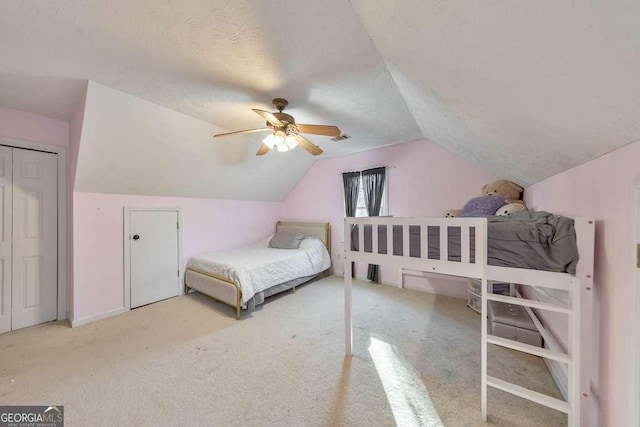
(452, 213)
(510, 208)
(509, 191)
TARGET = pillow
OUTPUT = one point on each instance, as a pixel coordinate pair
(482, 206)
(286, 240)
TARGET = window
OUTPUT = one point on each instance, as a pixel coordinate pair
(361, 209)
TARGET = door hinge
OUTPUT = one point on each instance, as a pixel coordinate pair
(638, 255)
(178, 225)
(178, 273)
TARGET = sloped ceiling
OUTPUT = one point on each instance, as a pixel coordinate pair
(527, 89)
(215, 60)
(153, 150)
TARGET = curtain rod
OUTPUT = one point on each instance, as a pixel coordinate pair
(375, 167)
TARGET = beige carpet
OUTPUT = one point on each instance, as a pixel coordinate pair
(187, 361)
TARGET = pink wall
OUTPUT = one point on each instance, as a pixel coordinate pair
(426, 180)
(22, 125)
(601, 189)
(98, 239)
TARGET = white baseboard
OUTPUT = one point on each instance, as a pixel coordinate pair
(386, 282)
(455, 291)
(418, 273)
(96, 317)
(364, 279)
(459, 292)
(434, 283)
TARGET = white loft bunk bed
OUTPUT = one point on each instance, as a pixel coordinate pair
(578, 309)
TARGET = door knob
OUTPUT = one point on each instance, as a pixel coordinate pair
(136, 237)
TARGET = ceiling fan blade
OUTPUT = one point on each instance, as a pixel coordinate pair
(263, 150)
(319, 130)
(268, 117)
(242, 131)
(308, 145)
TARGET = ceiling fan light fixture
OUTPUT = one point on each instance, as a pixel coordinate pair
(269, 141)
(281, 141)
(291, 142)
(275, 139)
(284, 133)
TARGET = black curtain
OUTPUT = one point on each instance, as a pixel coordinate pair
(351, 183)
(373, 189)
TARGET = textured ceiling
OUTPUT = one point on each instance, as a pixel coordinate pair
(48, 96)
(215, 60)
(527, 89)
(157, 151)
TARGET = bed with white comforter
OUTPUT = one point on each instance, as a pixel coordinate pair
(258, 267)
(244, 277)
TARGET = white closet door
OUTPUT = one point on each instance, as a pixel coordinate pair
(5, 238)
(34, 284)
(154, 256)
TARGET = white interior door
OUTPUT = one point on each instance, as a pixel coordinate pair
(35, 258)
(5, 237)
(153, 256)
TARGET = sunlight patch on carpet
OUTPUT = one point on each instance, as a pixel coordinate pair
(406, 393)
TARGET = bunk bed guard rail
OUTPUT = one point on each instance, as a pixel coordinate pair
(437, 245)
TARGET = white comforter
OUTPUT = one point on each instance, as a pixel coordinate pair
(258, 267)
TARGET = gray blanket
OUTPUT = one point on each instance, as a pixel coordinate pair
(534, 240)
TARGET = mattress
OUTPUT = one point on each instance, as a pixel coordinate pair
(533, 240)
(258, 267)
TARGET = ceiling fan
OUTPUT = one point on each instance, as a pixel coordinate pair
(285, 132)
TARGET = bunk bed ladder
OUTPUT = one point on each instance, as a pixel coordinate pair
(572, 359)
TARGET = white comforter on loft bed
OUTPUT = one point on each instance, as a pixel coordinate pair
(258, 267)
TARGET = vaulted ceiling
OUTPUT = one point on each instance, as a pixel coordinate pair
(527, 89)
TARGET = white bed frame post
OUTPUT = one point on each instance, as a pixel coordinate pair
(583, 323)
(348, 284)
(481, 257)
(573, 371)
